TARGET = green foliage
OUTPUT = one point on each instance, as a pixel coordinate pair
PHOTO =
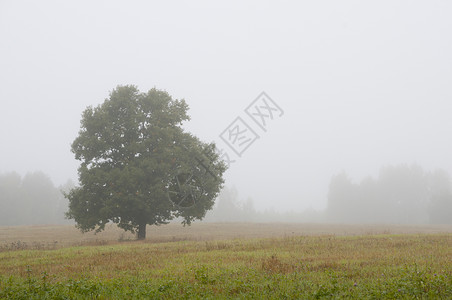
(440, 208)
(139, 167)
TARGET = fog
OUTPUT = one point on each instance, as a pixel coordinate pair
(360, 86)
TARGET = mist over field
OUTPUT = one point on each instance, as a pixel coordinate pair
(225, 149)
(357, 127)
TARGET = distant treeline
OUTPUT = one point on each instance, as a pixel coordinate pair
(400, 195)
(229, 208)
(32, 199)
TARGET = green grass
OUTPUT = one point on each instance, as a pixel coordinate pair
(304, 267)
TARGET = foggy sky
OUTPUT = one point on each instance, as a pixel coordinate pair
(362, 85)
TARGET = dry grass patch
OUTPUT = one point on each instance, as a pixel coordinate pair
(59, 236)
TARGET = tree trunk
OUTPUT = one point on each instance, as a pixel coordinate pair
(141, 234)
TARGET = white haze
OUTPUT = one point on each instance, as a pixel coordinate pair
(362, 84)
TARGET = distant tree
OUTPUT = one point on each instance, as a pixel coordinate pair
(440, 209)
(249, 211)
(404, 193)
(32, 199)
(440, 206)
(228, 207)
(341, 198)
(11, 199)
(41, 199)
(139, 167)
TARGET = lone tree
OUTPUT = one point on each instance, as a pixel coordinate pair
(139, 167)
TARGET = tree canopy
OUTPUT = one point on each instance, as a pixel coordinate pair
(138, 165)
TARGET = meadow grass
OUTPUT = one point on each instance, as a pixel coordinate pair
(382, 266)
(57, 236)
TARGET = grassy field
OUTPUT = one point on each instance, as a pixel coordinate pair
(292, 261)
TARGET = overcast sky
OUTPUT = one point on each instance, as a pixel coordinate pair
(362, 84)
